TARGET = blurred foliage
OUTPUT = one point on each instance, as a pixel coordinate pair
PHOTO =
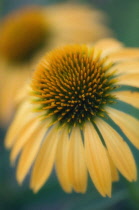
(124, 20)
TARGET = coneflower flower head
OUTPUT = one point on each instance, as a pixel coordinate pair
(68, 118)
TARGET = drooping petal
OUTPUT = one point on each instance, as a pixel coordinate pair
(69, 30)
(6, 93)
(9, 86)
(17, 125)
(114, 171)
(129, 79)
(97, 161)
(76, 162)
(128, 124)
(128, 97)
(108, 45)
(30, 151)
(118, 150)
(62, 161)
(25, 135)
(130, 67)
(45, 160)
(124, 54)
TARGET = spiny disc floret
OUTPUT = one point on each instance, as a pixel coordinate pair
(73, 85)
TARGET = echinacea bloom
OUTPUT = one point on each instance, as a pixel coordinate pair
(66, 119)
(27, 33)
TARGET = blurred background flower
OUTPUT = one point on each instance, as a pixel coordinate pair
(124, 22)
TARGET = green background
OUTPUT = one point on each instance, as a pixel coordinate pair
(124, 20)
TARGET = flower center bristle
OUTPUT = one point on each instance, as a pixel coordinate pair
(22, 34)
(73, 85)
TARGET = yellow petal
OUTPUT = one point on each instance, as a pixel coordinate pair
(108, 45)
(30, 151)
(17, 124)
(128, 124)
(76, 162)
(118, 150)
(9, 86)
(24, 136)
(114, 172)
(68, 28)
(129, 79)
(97, 161)
(124, 54)
(62, 161)
(128, 97)
(127, 67)
(45, 160)
(23, 93)
(6, 105)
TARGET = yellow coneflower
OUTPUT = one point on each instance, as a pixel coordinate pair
(65, 120)
(27, 32)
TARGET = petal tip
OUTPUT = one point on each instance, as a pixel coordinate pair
(35, 189)
(19, 178)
